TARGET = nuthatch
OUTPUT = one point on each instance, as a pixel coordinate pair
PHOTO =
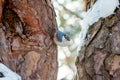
(61, 39)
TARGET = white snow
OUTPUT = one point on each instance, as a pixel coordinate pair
(101, 9)
(9, 74)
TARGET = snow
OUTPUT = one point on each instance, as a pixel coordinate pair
(101, 9)
(9, 74)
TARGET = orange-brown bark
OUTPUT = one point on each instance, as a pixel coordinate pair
(26, 37)
(99, 59)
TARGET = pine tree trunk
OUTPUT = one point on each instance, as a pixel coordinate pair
(27, 29)
(99, 58)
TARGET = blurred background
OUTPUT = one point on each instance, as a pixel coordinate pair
(68, 15)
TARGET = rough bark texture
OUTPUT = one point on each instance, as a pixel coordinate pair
(27, 29)
(99, 59)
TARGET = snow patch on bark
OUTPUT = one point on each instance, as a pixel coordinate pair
(101, 9)
(8, 74)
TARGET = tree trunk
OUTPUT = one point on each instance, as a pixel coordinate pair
(99, 58)
(27, 29)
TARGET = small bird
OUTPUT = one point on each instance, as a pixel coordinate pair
(61, 39)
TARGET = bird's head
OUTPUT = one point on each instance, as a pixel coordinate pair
(61, 39)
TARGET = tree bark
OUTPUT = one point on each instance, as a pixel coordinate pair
(99, 58)
(27, 29)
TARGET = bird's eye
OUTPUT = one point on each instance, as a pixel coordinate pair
(67, 37)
